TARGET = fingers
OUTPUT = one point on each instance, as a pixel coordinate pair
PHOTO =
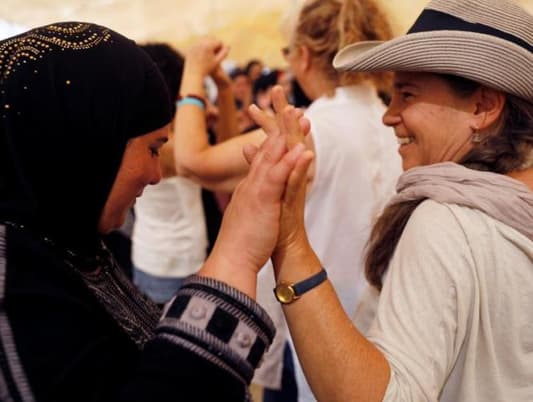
(270, 152)
(206, 54)
(279, 173)
(249, 151)
(291, 125)
(305, 125)
(279, 101)
(267, 122)
(297, 182)
(288, 121)
(271, 166)
(220, 53)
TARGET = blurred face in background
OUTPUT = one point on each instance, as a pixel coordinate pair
(255, 71)
(297, 69)
(242, 89)
(285, 80)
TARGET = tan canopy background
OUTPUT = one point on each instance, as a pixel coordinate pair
(252, 28)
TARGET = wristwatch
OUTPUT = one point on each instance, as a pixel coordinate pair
(286, 292)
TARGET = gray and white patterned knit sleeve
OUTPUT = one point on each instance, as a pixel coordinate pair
(219, 323)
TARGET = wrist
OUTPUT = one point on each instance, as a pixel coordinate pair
(192, 82)
(232, 272)
(192, 99)
(295, 261)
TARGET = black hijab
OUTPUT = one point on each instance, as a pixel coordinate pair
(71, 96)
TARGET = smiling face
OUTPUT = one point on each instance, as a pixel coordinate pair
(433, 123)
(140, 167)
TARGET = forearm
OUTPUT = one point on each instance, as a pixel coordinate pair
(219, 167)
(212, 330)
(190, 130)
(215, 167)
(214, 182)
(356, 369)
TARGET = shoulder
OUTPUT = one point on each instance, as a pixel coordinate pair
(454, 239)
(433, 237)
(435, 218)
(432, 219)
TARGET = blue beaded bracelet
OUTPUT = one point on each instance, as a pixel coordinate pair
(191, 101)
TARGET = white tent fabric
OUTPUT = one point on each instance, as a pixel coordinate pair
(251, 28)
(8, 29)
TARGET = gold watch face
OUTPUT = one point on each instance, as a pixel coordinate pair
(285, 293)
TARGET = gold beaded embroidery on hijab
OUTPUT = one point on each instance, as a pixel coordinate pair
(23, 49)
(20, 50)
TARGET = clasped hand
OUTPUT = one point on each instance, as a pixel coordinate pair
(266, 210)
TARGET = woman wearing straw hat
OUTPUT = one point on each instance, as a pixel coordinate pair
(451, 257)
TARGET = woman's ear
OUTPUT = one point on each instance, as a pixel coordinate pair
(489, 107)
(305, 56)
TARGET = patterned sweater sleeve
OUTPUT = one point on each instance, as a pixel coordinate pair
(210, 338)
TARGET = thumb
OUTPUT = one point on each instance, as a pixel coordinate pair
(297, 183)
(249, 151)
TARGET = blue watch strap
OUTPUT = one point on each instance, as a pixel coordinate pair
(307, 284)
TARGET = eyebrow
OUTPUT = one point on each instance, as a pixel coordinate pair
(401, 85)
(162, 140)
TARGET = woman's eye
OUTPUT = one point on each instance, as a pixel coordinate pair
(406, 95)
(154, 152)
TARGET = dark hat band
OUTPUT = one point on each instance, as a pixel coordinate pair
(432, 20)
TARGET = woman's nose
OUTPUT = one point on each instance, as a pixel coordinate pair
(391, 117)
(156, 174)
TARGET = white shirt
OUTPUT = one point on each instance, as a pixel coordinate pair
(169, 236)
(357, 166)
(454, 317)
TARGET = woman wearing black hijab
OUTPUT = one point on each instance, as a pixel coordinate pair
(81, 98)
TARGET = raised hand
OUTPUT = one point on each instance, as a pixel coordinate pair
(290, 124)
(251, 222)
(276, 124)
(220, 77)
(205, 56)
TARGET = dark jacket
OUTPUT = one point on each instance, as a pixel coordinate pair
(58, 343)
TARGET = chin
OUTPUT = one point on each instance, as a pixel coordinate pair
(409, 163)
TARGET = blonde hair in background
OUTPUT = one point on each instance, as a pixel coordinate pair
(326, 26)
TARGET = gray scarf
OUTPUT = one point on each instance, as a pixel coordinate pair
(499, 196)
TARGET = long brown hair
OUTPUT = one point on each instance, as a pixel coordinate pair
(326, 26)
(508, 147)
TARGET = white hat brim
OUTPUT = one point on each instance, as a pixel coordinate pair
(482, 58)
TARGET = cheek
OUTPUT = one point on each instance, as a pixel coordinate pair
(419, 123)
(428, 124)
(131, 183)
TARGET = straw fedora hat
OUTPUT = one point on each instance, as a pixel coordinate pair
(487, 41)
